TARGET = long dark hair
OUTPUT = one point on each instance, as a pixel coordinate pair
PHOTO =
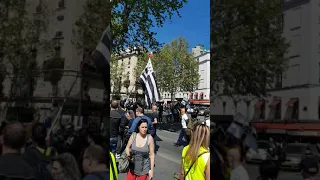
(139, 123)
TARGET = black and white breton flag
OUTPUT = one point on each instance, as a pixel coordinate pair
(101, 57)
(149, 85)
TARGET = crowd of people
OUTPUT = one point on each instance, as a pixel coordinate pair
(70, 154)
(133, 136)
(65, 156)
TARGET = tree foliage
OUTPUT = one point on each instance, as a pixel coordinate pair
(132, 22)
(22, 37)
(175, 67)
(91, 25)
(247, 47)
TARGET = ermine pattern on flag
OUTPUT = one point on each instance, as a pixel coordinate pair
(149, 84)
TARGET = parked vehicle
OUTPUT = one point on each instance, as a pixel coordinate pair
(204, 111)
(295, 153)
(261, 154)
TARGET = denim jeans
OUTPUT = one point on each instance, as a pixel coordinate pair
(154, 135)
(119, 145)
(113, 145)
(181, 135)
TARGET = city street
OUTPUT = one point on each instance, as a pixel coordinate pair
(168, 160)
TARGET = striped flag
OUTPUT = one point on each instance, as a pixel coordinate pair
(149, 84)
(236, 130)
(101, 57)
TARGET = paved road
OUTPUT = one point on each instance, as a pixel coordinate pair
(168, 160)
(253, 171)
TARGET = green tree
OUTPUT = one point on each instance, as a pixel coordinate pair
(247, 47)
(132, 21)
(22, 36)
(175, 67)
(91, 25)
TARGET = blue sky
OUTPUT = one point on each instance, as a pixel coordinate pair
(194, 25)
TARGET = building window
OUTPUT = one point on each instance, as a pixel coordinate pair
(61, 4)
(60, 18)
(57, 52)
(59, 34)
(292, 112)
(275, 109)
(201, 95)
(195, 95)
(259, 110)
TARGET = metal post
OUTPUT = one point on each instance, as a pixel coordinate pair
(81, 97)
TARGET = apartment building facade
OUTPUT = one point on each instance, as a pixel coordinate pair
(62, 18)
(298, 97)
(127, 61)
(201, 96)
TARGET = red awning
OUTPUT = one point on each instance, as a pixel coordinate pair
(291, 102)
(287, 126)
(275, 102)
(201, 94)
(202, 102)
(259, 104)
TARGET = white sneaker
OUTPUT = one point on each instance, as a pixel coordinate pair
(117, 156)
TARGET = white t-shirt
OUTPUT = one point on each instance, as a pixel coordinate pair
(239, 173)
(208, 122)
(184, 119)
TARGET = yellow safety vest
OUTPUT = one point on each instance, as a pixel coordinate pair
(113, 168)
(46, 152)
(196, 172)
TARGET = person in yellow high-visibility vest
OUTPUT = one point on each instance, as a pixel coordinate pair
(113, 168)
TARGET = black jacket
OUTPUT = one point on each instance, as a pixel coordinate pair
(117, 126)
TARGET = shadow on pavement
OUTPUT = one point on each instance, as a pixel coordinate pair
(172, 127)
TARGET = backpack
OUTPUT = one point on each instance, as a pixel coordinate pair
(41, 170)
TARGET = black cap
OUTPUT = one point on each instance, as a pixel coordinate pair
(310, 165)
